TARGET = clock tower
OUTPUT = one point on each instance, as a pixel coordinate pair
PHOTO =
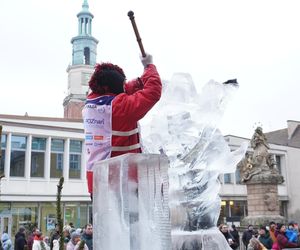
(84, 55)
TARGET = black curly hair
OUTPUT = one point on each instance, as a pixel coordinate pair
(107, 78)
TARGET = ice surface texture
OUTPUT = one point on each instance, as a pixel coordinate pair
(208, 239)
(131, 213)
(184, 126)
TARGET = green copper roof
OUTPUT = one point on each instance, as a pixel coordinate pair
(85, 9)
(84, 44)
(85, 5)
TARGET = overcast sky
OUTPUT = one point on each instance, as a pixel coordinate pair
(257, 42)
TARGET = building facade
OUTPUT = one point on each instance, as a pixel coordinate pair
(36, 152)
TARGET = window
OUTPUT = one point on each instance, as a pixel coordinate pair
(76, 213)
(48, 217)
(59, 162)
(38, 147)
(238, 208)
(232, 211)
(237, 176)
(17, 157)
(283, 205)
(74, 162)
(86, 55)
(57, 158)
(278, 163)
(227, 179)
(3, 146)
(75, 159)
(23, 214)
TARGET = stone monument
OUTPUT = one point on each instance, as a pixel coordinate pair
(259, 172)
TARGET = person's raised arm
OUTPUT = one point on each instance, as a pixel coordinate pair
(136, 105)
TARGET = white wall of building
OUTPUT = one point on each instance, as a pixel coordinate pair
(293, 180)
(43, 189)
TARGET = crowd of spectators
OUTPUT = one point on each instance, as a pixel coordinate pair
(74, 239)
(274, 236)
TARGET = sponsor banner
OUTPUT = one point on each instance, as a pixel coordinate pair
(92, 121)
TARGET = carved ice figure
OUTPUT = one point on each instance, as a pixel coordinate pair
(184, 126)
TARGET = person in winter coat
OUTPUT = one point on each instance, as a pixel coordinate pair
(6, 242)
(235, 234)
(229, 238)
(55, 244)
(291, 233)
(20, 240)
(282, 240)
(247, 235)
(30, 239)
(254, 244)
(74, 243)
(113, 109)
(54, 235)
(38, 241)
(87, 236)
(264, 237)
(67, 234)
(272, 231)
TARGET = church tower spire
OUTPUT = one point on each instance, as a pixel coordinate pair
(84, 57)
(85, 5)
(84, 44)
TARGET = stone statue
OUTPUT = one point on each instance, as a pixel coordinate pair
(260, 163)
(259, 172)
(260, 147)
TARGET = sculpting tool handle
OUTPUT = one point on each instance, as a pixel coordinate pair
(138, 38)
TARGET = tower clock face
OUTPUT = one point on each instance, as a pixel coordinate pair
(85, 78)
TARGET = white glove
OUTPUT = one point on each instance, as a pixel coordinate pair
(146, 60)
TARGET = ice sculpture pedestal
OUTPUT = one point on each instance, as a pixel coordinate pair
(130, 203)
(207, 239)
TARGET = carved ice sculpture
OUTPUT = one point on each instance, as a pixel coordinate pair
(184, 126)
(131, 213)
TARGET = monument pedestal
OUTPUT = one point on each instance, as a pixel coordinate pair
(262, 197)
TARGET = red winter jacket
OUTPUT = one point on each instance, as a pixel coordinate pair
(128, 108)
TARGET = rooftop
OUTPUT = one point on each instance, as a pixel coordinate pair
(287, 137)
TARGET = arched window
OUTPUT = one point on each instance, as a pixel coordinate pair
(86, 55)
